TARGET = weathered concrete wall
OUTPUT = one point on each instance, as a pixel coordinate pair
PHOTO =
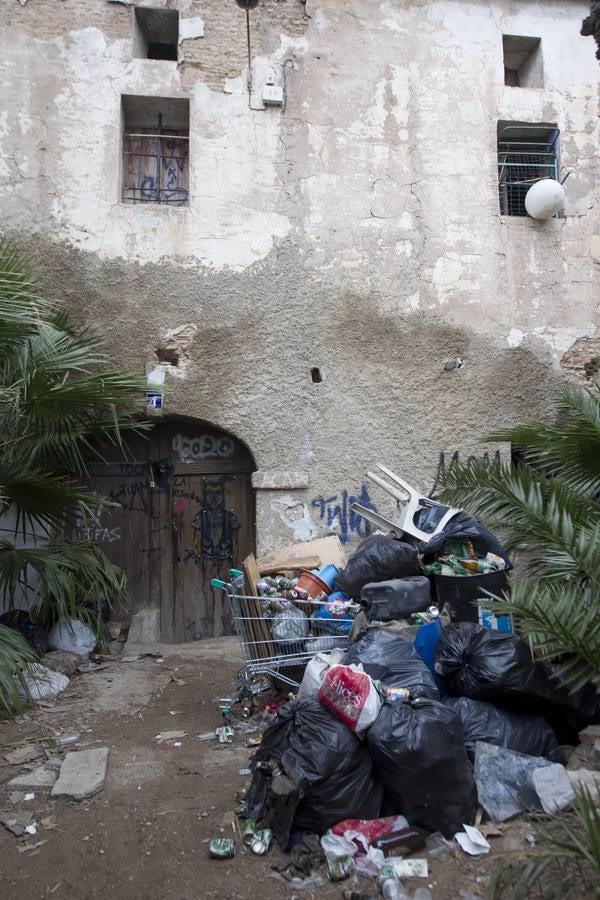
(358, 230)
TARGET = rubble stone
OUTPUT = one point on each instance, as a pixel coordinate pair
(62, 661)
(553, 787)
(585, 778)
(39, 779)
(590, 735)
(83, 774)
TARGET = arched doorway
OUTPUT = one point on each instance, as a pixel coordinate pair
(185, 516)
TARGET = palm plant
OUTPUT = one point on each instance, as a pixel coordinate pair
(546, 509)
(60, 404)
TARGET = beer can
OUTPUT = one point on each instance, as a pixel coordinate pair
(225, 734)
(249, 831)
(261, 841)
(221, 848)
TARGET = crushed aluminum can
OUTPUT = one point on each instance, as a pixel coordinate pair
(221, 848)
(262, 841)
(248, 831)
(225, 734)
(247, 710)
(433, 611)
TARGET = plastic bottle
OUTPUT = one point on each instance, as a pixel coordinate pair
(391, 888)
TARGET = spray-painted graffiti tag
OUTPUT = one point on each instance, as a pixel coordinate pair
(444, 466)
(339, 518)
(205, 446)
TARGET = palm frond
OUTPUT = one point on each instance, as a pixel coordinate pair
(559, 619)
(569, 450)
(15, 656)
(531, 512)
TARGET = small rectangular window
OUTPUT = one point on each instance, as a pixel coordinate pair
(526, 154)
(155, 150)
(522, 61)
(156, 33)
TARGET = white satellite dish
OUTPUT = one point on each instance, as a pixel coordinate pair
(544, 199)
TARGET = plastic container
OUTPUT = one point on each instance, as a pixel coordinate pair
(313, 584)
(397, 598)
(328, 574)
(464, 595)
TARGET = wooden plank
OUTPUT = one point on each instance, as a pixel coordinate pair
(328, 549)
(259, 628)
(306, 562)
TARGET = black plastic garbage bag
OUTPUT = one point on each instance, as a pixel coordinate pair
(524, 732)
(327, 766)
(418, 752)
(483, 664)
(392, 659)
(467, 528)
(35, 635)
(378, 558)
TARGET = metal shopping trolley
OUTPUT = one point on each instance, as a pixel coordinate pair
(278, 635)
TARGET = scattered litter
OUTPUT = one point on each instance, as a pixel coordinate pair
(472, 841)
(225, 734)
(177, 744)
(207, 736)
(16, 822)
(437, 846)
(245, 771)
(221, 848)
(89, 666)
(43, 683)
(409, 868)
(83, 774)
(261, 841)
(30, 796)
(67, 740)
(504, 781)
(165, 736)
(30, 829)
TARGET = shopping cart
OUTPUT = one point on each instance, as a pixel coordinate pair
(276, 641)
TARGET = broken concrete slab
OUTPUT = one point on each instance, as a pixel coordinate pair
(553, 787)
(23, 754)
(15, 822)
(40, 779)
(504, 781)
(144, 632)
(83, 774)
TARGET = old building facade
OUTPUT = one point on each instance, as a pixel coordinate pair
(320, 258)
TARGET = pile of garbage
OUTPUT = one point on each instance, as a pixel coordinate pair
(427, 710)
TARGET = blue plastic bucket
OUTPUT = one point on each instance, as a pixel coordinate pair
(328, 574)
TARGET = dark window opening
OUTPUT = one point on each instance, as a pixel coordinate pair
(526, 154)
(156, 33)
(156, 150)
(522, 61)
(316, 376)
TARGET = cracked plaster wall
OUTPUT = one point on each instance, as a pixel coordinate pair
(357, 231)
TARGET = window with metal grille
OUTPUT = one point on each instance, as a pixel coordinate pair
(526, 154)
(155, 150)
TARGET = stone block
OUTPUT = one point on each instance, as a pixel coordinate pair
(83, 774)
(40, 779)
(586, 778)
(553, 787)
(62, 661)
(144, 632)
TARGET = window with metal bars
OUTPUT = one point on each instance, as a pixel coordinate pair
(155, 150)
(526, 154)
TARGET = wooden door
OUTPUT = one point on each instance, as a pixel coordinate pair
(213, 531)
(125, 532)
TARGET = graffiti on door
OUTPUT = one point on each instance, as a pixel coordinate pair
(214, 527)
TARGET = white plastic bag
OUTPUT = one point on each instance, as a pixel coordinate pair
(315, 672)
(351, 695)
(43, 683)
(73, 636)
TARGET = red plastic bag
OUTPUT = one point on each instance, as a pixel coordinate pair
(351, 696)
(371, 828)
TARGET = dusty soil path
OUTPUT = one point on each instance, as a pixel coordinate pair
(146, 834)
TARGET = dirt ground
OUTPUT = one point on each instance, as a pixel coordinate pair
(145, 835)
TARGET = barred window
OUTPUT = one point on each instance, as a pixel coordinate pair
(155, 150)
(526, 154)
